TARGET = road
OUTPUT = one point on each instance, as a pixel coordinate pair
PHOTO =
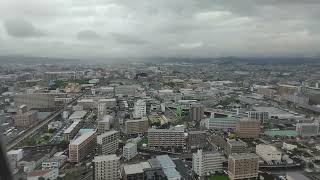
(37, 127)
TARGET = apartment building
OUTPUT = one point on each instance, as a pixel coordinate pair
(158, 138)
(235, 146)
(82, 146)
(106, 167)
(108, 142)
(243, 166)
(248, 128)
(137, 126)
(206, 163)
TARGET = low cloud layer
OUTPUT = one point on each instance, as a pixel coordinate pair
(180, 28)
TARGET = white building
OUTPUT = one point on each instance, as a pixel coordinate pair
(307, 129)
(106, 167)
(268, 153)
(14, 156)
(130, 151)
(206, 163)
(49, 174)
(220, 123)
(108, 142)
(104, 124)
(289, 147)
(139, 109)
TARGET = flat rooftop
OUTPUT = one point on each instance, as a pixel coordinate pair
(111, 157)
(239, 156)
(78, 115)
(136, 168)
(82, 138)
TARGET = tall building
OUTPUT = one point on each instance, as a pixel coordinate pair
(243, 166)
(196, 112)
(14, 156)
(307, 129)
(268, 153)
(158, 138)
(108, 142)
(129, 151)
(140, 109)
(248, 128)
(137, 126)
(235, 146)
(102, 110)
(106, 167)
(82, 146)
(206, 163)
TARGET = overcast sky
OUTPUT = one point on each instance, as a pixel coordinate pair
(167, 28)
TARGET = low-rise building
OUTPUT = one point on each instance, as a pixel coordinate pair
(288, 146)
(48, 174)
(137, 126)
(268, 153)
(14, 156)
(307, 129)
(235, 146)
(130, 151)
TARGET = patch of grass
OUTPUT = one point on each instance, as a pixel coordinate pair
(218, 177)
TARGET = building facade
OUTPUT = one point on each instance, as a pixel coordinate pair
(106, 167)
(243, 166)
(108, 142)
(206, 163)
(158, 138)
(137, 126)
(82, 146)
(248, 128)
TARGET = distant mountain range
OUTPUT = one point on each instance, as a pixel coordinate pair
(220, 60)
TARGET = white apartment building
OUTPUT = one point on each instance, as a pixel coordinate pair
(268, 153)
(140, 109)
(307, 129)
(108, 142)
(206, 163)
(106, 167)
(130, 151)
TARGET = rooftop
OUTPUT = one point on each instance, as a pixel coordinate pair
(111, 157)
(78, 115)
(82, 138)
(136, 168)
(71, 127)
(165, 161)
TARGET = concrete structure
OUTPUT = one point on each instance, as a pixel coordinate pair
(268, 153)
(81, 146)
(104, 124)
(108, 142)
(169, 168)
(196, 112)
(129, 151)
(243, 166)
(220, 123)
(40, 100)
(106, 167)
(137, 126)
(72, 130)
(25, 119)
(54, 162)
(196, 139)
(78, 115)
(206, 163)
(248, 128)
(288, 146)
(258, 115)
(140, 109)
(307, 129)
(48, 174)
(14, 156)
(110, 103)
(87, 103)
(135, 171)
(235, 146)
(158, 138)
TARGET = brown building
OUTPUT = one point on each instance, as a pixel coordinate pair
(248, 128)
(81, 146)
(158, 138)
(25, 118)
(243, 166)
(139, 126)
(196, 139)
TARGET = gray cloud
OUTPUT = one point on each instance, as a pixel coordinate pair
(179, 28)
(20, 28)
(88, 35)
(127, 39)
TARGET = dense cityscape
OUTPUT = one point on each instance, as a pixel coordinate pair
(152, 121)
